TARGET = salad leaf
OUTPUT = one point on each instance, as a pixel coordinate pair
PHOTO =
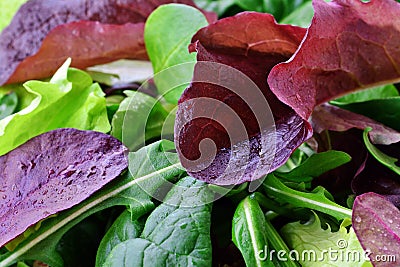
(380, 92)
(281, 8)
(150, 167)
(168, 50)
(53, 172)
(176, 233)
(315, 165)
(360, 51)
(8, 104)
(232, 109)
(217, 6)
(87, 42)
(328, 117)
(376, 224)
(139, 118)
(123, 228)
(70, 97)
(319, 199)
(90, 23)
(301, 16)
(249, 232)
(385, 111)
(310, 241)
(386, 160)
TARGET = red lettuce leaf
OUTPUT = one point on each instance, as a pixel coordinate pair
(376, 222)
(328, 117)
(227, 109)
(53, 172)
(87, 43)
(350, 45)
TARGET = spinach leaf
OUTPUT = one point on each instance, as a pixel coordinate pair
(177, 233)
(8, 104)
(180, 23)
(150, 168)
(124, 228)
(69, 100)
(249, 233)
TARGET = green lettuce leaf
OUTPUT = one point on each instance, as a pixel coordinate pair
(69, 100)
(318, 247)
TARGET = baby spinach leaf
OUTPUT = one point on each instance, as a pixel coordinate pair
(310, 241)
(319, 199)
(53, 172)
(8, 104)
(360, 51)
(139, 118)
(227, 108)
(124, 228)
(376, 223)
(181, 22)
(249, 233)
(70, 97)
(315, 166)
(151, 166)
(177, 233)
(386, 160)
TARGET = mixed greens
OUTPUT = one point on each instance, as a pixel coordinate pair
(241, 142)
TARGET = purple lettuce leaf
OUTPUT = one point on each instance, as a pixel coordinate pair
(224, 107)
(53, 172)
(376, 222)
(328, 117)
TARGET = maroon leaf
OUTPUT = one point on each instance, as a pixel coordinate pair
(328, 117)
(87, 43)
(350, 45)
(376, 223)
(53, 172)
(228, 104)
